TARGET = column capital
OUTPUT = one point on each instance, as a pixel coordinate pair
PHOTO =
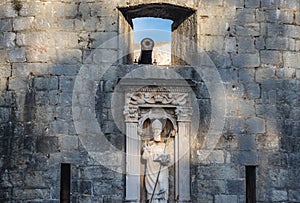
(184, 114)
(131, 114)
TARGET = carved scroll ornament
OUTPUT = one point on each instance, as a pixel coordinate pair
(140, 98)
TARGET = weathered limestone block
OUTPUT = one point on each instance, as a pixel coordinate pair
(264, 73)
(236, 187)
(5, 71)
(60, 126)
(246, 142)
(31, 8)
(41, 55)
(69, 143)
(7, 10)
(274, 30)
(248, 29)
(286, 72)
(53, 9)
(86, 187)
(226, 199)
(35, 179)
(91, 24)
(17, 55)
(211, 186)
(277, 43)
(66, 83)
(292, 31)
(297, 18)
(273, 58)
(245, 157)
(215, 157)
(69, 56)
(25, 194)
(209, 43)
(246, 75)
(105, 56)
(246, 45)
(4, 115)
(98, 38)
(65, 39)
(66, 24)
(289, 5)
(17, 83)
(38, 39)
(236, 3)
(43, 23)
(230, 44)
(85, 10)
(5, 25)
(46, 98)
(246, 15)
(278, 16)
(279, 195)
(232, 108)
(24, 23)
(255, 125)
(236, 125)
(297, 74)
(246, 108)
(46, 83)
(213, 26)
(246, 60)
(252, 3)
(98, 9)
(47, 144)
(268, 4)
(294, 195)
(3, 84)
(26, 69)
(291, 60)
(71, 9)
(7, 39)
(3, 56)
(107, 24)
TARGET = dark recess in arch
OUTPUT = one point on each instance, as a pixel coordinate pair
(167, 11)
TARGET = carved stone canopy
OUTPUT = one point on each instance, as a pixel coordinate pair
(156, 114)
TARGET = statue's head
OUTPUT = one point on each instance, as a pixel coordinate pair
(157, 129)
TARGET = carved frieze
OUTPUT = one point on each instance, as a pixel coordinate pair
(140, 98)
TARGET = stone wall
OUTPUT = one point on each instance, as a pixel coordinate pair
(255, 45)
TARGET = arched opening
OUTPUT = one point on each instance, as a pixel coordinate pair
(158, 29)
(184, 26)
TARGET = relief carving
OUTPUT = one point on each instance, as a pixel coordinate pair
(140, 98)
(131, 114)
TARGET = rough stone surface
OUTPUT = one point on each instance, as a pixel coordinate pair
(49, 46)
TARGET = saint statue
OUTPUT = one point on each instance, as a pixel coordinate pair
(157, 160)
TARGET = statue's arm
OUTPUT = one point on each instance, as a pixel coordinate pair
(146, 152)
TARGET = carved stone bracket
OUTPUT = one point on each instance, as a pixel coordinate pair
(131, 114)
(184, 114)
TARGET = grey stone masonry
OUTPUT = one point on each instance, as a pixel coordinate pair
(52, 52)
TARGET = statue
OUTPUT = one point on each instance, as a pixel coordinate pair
(157, 160)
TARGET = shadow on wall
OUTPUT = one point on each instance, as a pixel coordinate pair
(29, 143)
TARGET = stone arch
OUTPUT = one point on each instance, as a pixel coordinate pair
(167, 11)
(184, 24)
(193, 4)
